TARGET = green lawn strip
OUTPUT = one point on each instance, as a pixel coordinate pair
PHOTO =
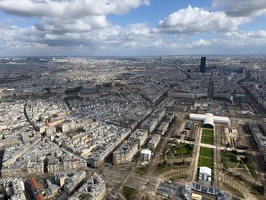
(207, 162)
(179, 176)
(207, 140)
(207, 132)
(43, 96)
(206, 157)
(233, 190)
(207, 136)
(128, 192)
(21, 97)
(206, 152)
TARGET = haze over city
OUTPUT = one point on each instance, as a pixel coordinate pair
(131, 27)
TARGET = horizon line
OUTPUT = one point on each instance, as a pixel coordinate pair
(122, 56)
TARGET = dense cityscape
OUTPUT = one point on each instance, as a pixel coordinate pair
(169, 127)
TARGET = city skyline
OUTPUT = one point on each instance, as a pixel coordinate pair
(131, 28)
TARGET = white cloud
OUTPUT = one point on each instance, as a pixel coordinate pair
(132, 38)
(157, 43)
(72, 22)
(238, 42)
(96, 38)
(72, 25)
(198, 43)
(241, 8)
(246, 37)
(196, 20)
(179, 44)
(68, 9)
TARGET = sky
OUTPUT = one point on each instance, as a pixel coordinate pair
(132, 27)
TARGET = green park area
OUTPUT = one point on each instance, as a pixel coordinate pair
(178, 149)
(128, 192)
(229, 159)
(206, 157)
(207, 136)
(141, 170)
(233, 190)
(242, 162)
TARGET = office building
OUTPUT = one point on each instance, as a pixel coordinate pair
(202, 64)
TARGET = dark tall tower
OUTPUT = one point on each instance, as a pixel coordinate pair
(202, 64)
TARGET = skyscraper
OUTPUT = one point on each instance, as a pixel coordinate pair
(202, 64)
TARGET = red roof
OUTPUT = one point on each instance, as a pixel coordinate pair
(34, 183)
(39, 197)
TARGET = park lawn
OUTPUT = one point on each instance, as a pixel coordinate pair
(128, 192)
(243, 171)
(226, 154)
(227, 159)
(208, 162)
(231, 164)
(22, 97)
(140, 170)
(179, 176)
(207, 132)
(182, 150)
(206, 152)
(207, 139)
(233, 190)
